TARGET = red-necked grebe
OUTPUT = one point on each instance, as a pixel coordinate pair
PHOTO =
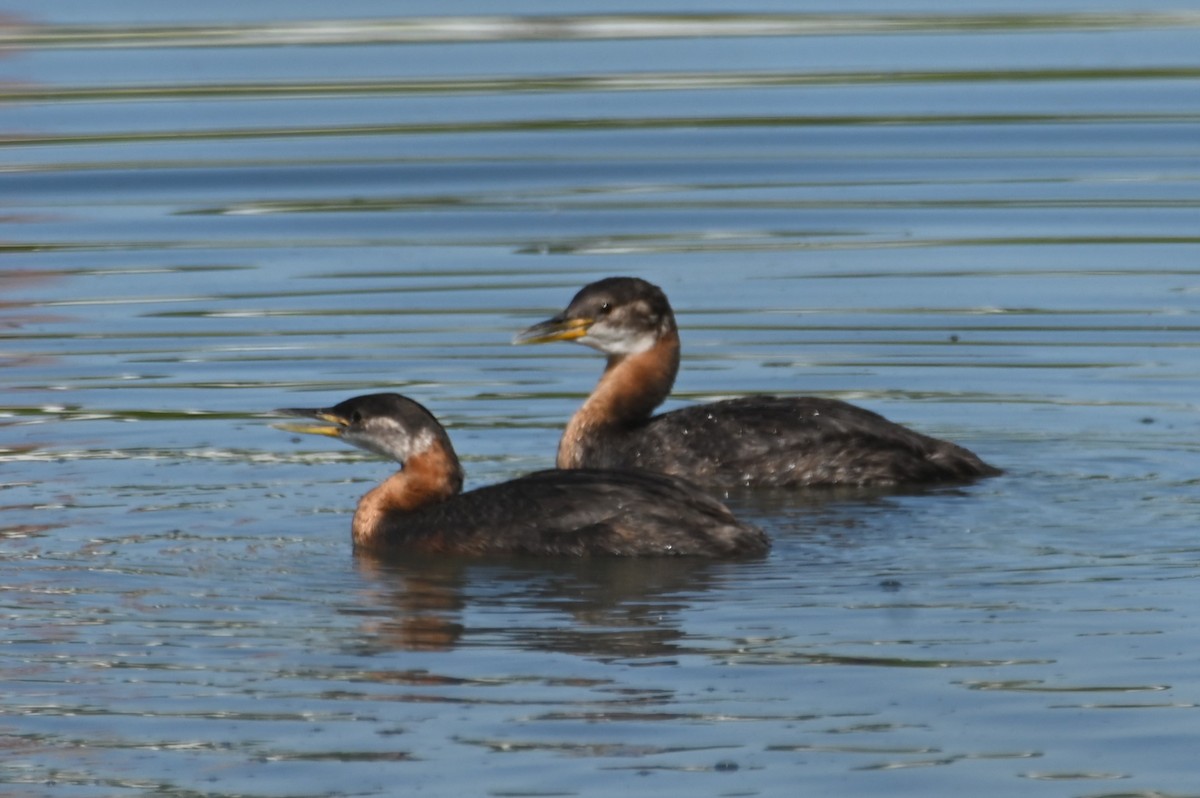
(569, 513)
(751, 441)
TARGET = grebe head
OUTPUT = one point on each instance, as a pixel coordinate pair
(387, 424)
(617, 315)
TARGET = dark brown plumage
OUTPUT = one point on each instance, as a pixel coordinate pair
(751, 441)
(568, 513)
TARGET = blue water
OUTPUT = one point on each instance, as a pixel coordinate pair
(979, 220)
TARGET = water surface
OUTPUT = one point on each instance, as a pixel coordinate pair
(979, 221)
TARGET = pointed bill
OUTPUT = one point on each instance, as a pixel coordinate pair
(334, 427)
(555, 329)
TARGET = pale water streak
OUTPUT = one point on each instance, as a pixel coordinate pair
(983, 222)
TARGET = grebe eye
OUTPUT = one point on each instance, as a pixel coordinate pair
(356, 417)
(605, 308)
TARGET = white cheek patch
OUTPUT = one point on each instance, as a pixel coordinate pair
(420, 443)
(611, 341)
(387, 438)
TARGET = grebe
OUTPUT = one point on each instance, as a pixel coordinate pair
(751, 441)
(571, 513)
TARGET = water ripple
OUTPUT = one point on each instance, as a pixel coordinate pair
(570, 28)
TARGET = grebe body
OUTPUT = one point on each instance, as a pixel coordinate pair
(575, 513)
(768, 441)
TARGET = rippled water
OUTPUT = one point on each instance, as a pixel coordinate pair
(981, 221)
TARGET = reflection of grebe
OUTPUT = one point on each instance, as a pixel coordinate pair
(756, 440)
(572, 513)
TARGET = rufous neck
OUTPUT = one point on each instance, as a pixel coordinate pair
(427, 478)
(628, 391)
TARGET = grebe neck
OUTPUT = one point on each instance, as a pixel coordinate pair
(630, 388)
(427, 478)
